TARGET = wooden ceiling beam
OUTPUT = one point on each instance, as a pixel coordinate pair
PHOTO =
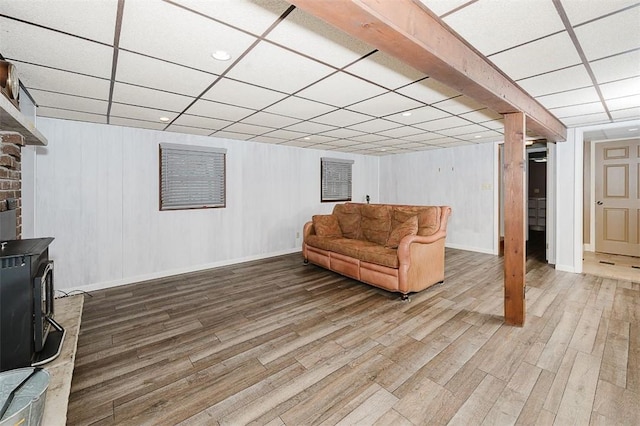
(410, 32)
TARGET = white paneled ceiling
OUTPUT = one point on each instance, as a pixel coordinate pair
(294, 80)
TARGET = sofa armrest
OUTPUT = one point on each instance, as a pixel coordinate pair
(307, 230)
(405, 243)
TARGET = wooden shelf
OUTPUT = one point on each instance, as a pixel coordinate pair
(12, 120)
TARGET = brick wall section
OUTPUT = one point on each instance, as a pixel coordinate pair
(10, 174)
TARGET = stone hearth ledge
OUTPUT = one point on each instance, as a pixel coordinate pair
(67, 312)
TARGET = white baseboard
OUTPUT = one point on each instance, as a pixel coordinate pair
(469, 248)
(589, 247)
(178, 271)
(566, 268)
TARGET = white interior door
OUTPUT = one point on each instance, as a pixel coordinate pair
(617, 197)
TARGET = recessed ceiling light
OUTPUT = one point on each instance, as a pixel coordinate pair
(633, 130)
(383, 149)
(477, 136)
(406, 114)
(164, 119)
(307, 138)
(221, 55)
(528, 143)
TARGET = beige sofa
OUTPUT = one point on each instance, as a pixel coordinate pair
(395, 247)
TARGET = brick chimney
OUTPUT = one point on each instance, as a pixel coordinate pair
(10, 174)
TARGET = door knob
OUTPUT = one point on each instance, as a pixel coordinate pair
(599, 203)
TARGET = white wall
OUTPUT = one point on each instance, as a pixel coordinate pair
(96, 192)
(464, 178)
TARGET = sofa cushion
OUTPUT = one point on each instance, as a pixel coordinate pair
(326, 225)
(428, 220)
(324, 243)
(349, 247)
(379, 255)
(348, 215)
(408, 227)
(376, 223)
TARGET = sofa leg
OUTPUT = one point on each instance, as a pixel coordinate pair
(305, 261)
(405, 298)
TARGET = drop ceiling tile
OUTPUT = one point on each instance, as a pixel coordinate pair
(249, 129)
(310, 127)
(440, 7)
(341, 89)
(418, 115)
(299, 144)
(623, 102)
(422, 137)
(617, 67)
(578, 12)
(165, 76)
(481, 116)
(385, 104)
(401, 132)
(570, 97)
(275, 68)
(375, 125)
(410, 145)
(231, 135)
(285, 134)
(140, 124)
(583, 120)
(583, 109)
(254, 16)
(482, 136)
(267, 139)
(137, 113)
(169, 32)
(71, 115)
(370, 138)
(341, 142)
(497, 125)
(185, 130)
(242, 94)
(310, 36)
(385, 70)
(442, 123)
(428, 91)
(299, 108)
(140, 96)
(94, 20)
(454, 144)
(37, 77)
(342, 133)
(39, 46)
(459, 105)
(391, 142)
(217, 110)
(341, 118)
(557, 50)
(211, 124)
(317, 139)
(613, 34)
(558, 81)
(270, 120)
(513, 30)
(463, 130)
(626, 114)
(68, 102)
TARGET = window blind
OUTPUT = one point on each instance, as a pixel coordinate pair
(336, 179)
(191, 177)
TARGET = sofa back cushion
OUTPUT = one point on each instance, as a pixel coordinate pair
(376, 222)
(349, 219)
(326, 225)
(428, 218)
(408, 227)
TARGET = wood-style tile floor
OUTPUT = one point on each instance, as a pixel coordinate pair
(276, 342)
(611, 266)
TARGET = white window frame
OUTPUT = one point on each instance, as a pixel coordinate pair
(336, 179)
(191, 177)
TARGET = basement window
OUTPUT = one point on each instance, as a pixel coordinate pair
(335, 179)
(191, 177)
